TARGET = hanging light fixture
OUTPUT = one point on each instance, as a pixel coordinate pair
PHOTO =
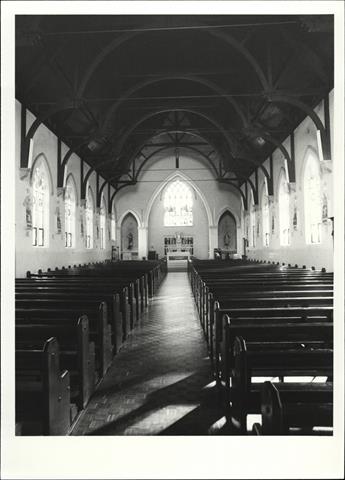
(177, 158)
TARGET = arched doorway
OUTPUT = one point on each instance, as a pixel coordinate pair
(227, 233)
(129, 237)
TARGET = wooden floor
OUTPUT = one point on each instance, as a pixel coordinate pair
(160, 383)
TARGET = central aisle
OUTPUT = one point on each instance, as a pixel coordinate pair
(160, 382)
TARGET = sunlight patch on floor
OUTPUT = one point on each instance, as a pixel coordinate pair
(209, 385)
(159, 420)
(216, 426)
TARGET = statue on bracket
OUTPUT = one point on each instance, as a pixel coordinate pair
(129, 241)
(227, 240)
(28, 211)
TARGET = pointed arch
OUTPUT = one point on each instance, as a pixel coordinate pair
(70, 178)
(165, 182)
(42, 158)
(135, 215)
(284, 208)
(265, 213)
(227, 226)
(312, 197)
(70, 199)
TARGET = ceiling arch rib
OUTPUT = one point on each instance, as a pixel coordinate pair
(253, 161)
(126, 135)
(214, 87)
(114, 44)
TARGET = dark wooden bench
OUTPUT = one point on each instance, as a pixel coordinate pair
(274, 360)
(35, 311)
(119, 322)
(77, 354)
(296, 408)
(312, 333)
(42, 391)
(118, 292)
(259, 315)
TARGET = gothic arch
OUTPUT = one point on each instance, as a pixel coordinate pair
(164, 184)
(41, 157)
(70, 176)
(229, 209)
(135, 215)
(309, 152)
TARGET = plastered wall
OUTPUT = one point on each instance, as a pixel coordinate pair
(145, 200)
(56, 254)
(298, 252)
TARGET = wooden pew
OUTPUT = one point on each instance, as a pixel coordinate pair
(314, 334)
(270, 360)
(77, 354)
(35, 311)
(261, 314)
(115, 318)
(42, 391)
(124, 294)
(295, 408)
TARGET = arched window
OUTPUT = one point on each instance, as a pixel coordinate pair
(252, 222)
(89, 218)
(102, 223)
(284, 211)
(40, 204)
(312, 201)
(70, 209)
(178, 205)
(265, 214)
(113, 224)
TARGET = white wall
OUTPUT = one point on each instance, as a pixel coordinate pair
(210, 197)
(199, 230)
(145, 202)
(32, 258)
(298, 252)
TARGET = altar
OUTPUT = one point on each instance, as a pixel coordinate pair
(177, 260)
(178, 250)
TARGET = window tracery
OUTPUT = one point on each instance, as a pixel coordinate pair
(178, 205)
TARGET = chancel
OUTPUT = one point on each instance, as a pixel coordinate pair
(174, 224)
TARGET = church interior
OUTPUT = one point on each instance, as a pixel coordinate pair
(174, 225)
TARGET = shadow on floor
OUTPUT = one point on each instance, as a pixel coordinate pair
(202, 406)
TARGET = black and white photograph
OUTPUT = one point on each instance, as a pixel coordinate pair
(172, 188)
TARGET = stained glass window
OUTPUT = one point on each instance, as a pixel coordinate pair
(40, 205)
(252, 221)
(284, 211)
(178, 205)
(89, 218)
(113, 224)
(70, 209)
(265, 218)
(312, 201)
(102, 223)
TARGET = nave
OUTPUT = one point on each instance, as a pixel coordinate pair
(160, 383)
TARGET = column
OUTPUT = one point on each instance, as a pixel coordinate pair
(142, 242)
(213, 240)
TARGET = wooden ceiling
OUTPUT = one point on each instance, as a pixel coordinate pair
(119, 88)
